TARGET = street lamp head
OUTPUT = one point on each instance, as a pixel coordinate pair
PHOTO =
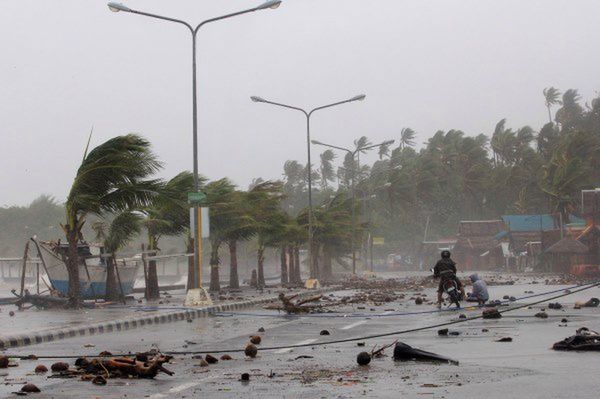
(360, 97)
(257, 99)
(272, 4)
(316, 142)
(116, 7)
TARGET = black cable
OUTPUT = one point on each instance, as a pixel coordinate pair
(448, 323)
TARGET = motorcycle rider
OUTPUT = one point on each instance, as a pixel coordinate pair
(445, 269)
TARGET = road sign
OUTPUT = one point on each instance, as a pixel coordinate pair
(378, 240)
(196, 198)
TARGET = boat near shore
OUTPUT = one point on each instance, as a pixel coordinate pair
(92, 269)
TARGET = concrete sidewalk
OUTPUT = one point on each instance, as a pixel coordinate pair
(162, 314)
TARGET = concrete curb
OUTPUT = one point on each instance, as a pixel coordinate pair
(134, 322)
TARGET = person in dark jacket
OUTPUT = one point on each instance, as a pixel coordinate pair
(444, 269)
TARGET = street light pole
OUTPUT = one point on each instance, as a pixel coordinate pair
(308, 114)
(116, 7)
(353, 154)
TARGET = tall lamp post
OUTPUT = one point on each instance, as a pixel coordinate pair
(353, 153)
(308, 114)
(116, 7)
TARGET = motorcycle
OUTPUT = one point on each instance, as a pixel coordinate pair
(451, 289)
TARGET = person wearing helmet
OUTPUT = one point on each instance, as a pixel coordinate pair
(444, 269)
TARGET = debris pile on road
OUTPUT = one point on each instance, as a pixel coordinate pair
(98, 370)
(583, 340)
(299, 306)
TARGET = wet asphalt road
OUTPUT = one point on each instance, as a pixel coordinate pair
(525, 367)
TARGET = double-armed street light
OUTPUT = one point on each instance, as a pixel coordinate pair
(308, 114)
(353, 153)
(117, 7)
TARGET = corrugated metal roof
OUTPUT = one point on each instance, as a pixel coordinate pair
(534, 222)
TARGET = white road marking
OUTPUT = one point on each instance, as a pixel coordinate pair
(356, 324)
(305, 342)
(180, 388)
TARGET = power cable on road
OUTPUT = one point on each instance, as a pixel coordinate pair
(338, 341)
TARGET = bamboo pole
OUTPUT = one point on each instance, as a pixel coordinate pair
(23, 270)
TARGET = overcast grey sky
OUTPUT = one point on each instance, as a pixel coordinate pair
(67, 65)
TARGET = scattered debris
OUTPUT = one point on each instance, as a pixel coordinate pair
(203, 363)
(555, 306)
(491, 313)
(462, 316)
(251, 350)
(59, 366)
(363, 358)
(3, 361)
(40, 369)
(30, 388)
(299, 306)
(564, 320)
(592, 303)
(245, 377)
(360, 344)
(583, 340)
(304, 357)
(99, 380)
(255, 339)
(261, 329)
(226, 357)
(11, 313)
(505, 339)
(404, 352)
(324, 332)
(210, 359)
(542, 315)
(443, 332)
(419, 301)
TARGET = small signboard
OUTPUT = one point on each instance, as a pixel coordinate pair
(196, 198)
(378, 240)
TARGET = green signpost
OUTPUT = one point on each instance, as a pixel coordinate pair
(196, 198)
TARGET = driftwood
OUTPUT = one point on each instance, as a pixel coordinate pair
(299, 306)
(52, 301)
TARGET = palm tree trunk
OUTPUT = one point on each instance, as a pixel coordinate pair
(284, 267)
(297, 269)
(291, 266)
(261, 270)
(215, 283)
(316, 274)
(234, 280)
(152, 283)
(112, 292)
(73, 267)
(549, 114)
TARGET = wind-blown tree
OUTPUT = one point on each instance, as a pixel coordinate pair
(112, 178)
(571, 113)
(407, 137)
(552, 97)
(239, 228)
(115, 235)
(264, 202)
(167, 215)
(326, 170)
(224, 214)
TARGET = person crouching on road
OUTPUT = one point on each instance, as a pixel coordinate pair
(480, 292)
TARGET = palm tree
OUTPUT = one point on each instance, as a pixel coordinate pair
(167, 215)
(407, 137)
(113, 177)
(327, 172)
(240, 227)
(224, 214)
(264, 202)
(552, 97)
(115, 235)
(571, 113)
